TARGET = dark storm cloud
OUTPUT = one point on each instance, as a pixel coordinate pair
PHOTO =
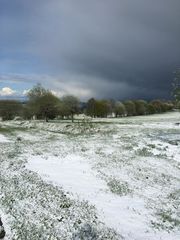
(118, 48)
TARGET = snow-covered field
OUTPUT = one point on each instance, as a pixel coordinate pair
(106, 179)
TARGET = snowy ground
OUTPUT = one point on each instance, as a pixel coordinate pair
(107, 179)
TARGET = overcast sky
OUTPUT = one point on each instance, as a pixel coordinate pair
(97, 48)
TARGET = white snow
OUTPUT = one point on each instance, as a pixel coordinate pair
(76, 176)
(4, 219)
(83, 165)
(126, 215)
(3, 139)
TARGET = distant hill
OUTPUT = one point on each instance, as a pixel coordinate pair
(18, 98)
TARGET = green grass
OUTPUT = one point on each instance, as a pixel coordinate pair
(166, 221)
(5, 130)
(118, 187)
(11, 130)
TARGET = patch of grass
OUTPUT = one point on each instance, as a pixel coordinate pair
(175, 196)
(5, 130)
(174, 142)
(166, 221)
(118, 187)
(128, 147)
(152, 145)
(11, 130)
(144, 152)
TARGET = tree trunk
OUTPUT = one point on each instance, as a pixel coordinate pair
(72, 117)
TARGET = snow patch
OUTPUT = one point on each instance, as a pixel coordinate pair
(3, 139)
(127, 215)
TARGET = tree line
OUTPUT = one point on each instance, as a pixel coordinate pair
(43, 104)
(105, 108)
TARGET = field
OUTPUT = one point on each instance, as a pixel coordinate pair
(100, 179)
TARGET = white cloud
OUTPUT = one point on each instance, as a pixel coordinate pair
(25, 92)
(78, 92)
(57, 93)
(6, 91)
(65, 84)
